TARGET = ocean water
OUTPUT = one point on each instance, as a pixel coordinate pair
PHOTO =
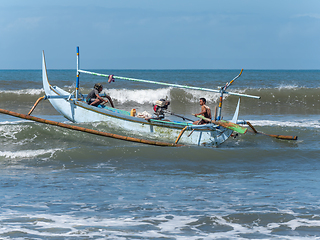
(60, 184)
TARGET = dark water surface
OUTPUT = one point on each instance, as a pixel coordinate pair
(60, 184)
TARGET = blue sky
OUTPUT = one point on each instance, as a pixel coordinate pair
(161, 34)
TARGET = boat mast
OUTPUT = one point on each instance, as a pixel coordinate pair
(220, 105)
(77, 83)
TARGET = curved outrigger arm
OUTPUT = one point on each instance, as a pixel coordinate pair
(223, 91)
(229, 83)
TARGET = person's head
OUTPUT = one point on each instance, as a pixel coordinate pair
(203, 101)
(98, 86)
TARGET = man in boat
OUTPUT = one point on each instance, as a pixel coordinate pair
(94, 98)
(205, 111)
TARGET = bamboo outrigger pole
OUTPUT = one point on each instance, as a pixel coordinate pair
(82, 129)
(221, 91)
(160, 83)
(168, 84)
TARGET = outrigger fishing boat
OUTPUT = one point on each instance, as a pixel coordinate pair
(74, 107)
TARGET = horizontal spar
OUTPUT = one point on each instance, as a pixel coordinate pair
(168, 84)
(225, 124)
(77, 128)
(69, 96)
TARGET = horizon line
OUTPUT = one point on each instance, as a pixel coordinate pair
(165, 69)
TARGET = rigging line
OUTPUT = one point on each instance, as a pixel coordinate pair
(169, 84)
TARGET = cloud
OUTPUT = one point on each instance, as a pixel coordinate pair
(309, 15)
(19, 24)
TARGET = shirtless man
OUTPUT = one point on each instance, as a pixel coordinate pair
(205, 111)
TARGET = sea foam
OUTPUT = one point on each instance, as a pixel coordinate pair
(27, 153)
(159, 226)
(30, 91)
(140, 96)
(299, 123)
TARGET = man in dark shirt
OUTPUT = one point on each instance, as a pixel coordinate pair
(94, 99)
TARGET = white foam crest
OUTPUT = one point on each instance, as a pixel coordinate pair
(163, 226)
(13, 122)
(77, 226)
(298, 222)
(287, 86)
(139, 95)
(9, 131)
(47, 224)
(175, 224)
(299, 123)
(209, 96)
(70, 86)
(142, 96)
(30, 91)
(27, 153)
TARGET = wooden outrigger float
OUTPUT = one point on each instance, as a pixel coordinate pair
(74, 107)
(86, 130)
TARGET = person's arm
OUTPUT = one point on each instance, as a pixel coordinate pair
(110, 100)
(203, 111)
(100, 98)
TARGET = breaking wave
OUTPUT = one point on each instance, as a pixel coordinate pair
(142, 96)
